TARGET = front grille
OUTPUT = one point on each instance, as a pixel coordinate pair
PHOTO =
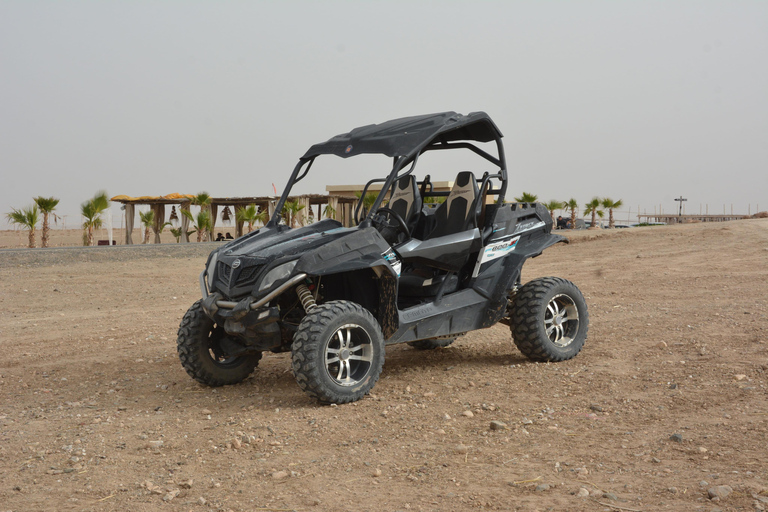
(237, 278)
(248, 275)
(224, 271)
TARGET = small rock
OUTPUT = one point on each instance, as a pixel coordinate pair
(468, 414)
(151, 487)
(280, 475)
(596, 408)
(201, 501)
(526, 421)
(661, 344)
(678, 438)
(155, 445)
(655, 460)
(498, 425)
(205, 412)
(462, 449)
(719, 491)
(237, 444)
(672, 490)
(702, 449)
(446, 416)
(740, 376)
(187, 484)
(703, 483)
(542, 487)
(171, 494)
(583, 493)
(610, 496)
(377, 472)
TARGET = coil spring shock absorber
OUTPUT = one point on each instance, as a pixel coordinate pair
(306, 298)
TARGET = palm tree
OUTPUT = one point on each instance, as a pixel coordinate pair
(250, 216)
(176, 232)
(527, 198)
(329, 212)
(91, 210)
(203, 200)
(368, 201)
(572, 205)
(610, 204)
(46, 205)
(147, 219)
(290, 211)
(593, 207)
(27, 218)
(201, 222)
(552, 206)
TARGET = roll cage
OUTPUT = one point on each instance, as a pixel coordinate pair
(405, 140)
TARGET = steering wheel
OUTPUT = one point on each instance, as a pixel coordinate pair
(401, 225)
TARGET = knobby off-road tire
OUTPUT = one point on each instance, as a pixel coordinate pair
(432, 343)
(201, 355)
(549, 319)
(338, 352)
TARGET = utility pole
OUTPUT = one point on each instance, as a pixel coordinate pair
(680, 212)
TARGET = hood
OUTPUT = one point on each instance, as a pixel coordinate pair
(268, 244)
(240, 264)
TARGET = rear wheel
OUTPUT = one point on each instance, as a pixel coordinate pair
(338, 352)
(432, 343)
(200, 350)
(549, 319)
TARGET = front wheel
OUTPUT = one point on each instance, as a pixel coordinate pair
(200, 350)
(549, 319)
(338, 352)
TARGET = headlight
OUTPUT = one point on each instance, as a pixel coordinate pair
(212, 266)
(276, 274)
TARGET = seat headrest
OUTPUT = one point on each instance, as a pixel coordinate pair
(464, 187)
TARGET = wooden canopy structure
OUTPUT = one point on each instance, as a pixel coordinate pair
(314, 206)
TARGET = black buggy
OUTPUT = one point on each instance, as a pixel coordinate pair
(422, 267)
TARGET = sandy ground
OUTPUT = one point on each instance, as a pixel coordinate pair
(667, 401)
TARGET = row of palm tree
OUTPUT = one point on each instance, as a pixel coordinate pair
(595, 207)
(29, 217)
(91, 210)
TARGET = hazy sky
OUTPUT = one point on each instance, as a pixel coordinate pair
(641, 101)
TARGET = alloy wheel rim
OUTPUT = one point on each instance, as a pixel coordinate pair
(561, 320)
(214, 349)
(348, 355)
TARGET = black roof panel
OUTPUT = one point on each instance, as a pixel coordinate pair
(407, 136)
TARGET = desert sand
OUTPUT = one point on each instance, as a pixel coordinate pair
(666, 407)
